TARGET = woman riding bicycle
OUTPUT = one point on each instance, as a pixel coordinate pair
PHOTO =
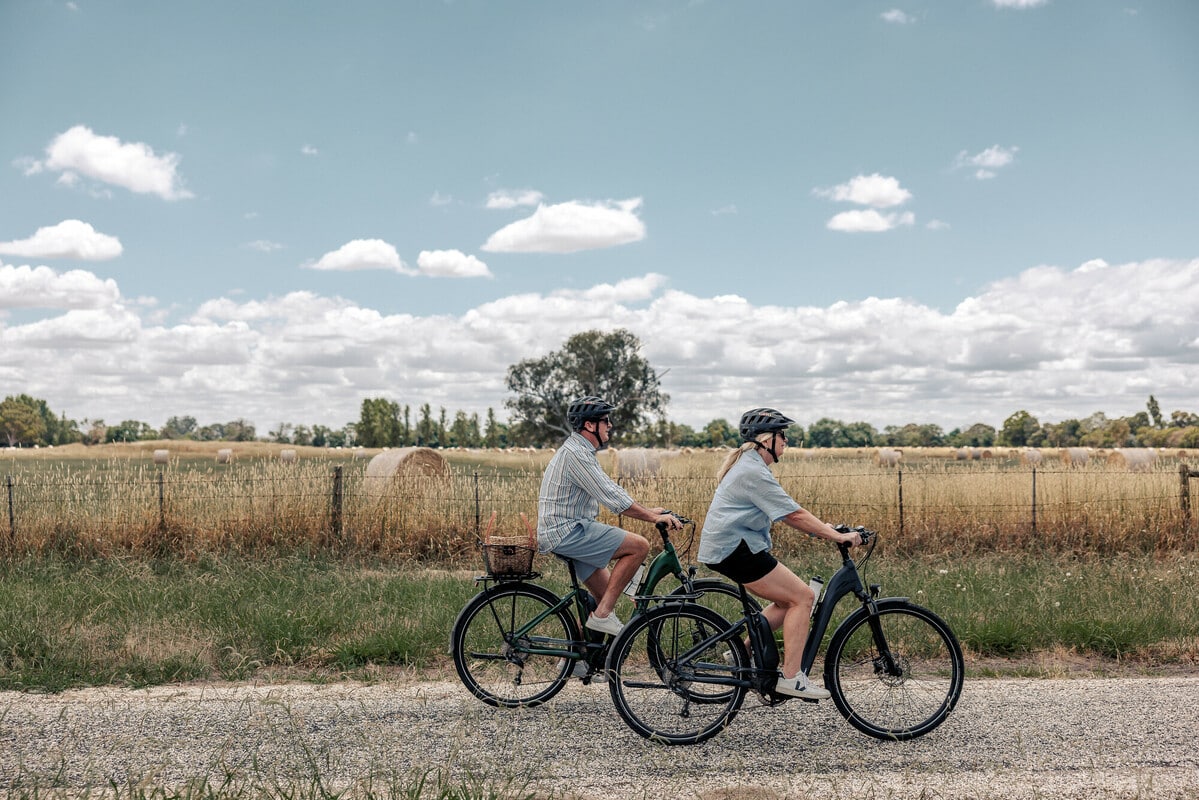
(735, 540)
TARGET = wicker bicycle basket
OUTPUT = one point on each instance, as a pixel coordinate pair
(507, 556)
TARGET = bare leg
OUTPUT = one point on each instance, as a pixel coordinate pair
(790, 608)
(608, 586)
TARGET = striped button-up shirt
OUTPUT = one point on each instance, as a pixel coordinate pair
(572, 489)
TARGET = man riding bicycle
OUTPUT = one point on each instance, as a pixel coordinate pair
(572, 490)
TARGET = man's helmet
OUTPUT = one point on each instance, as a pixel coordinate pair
(587, 409)
(757, 421)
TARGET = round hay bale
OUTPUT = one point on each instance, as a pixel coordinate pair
(962, 454)
(1032, 456)
(886, 457)
(1135, 459)
(640, 462)
(360, 454)
(1075, 456)
(407, 462)
(287, 456)
(162, 456)
(224, 455)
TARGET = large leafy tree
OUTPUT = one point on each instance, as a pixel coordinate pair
(379, 423)
(21, 422)
(609, 365)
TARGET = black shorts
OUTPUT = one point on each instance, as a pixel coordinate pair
(743, 566)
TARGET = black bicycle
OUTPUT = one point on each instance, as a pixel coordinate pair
(680, 672)
(516, 643)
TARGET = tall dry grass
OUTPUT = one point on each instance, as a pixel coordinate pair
(115, 500)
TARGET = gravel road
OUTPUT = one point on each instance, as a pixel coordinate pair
(1072, 738)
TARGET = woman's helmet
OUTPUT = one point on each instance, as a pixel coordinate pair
(757, 421)
(587, 409)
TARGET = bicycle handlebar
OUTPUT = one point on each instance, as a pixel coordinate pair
(865, 534)
(661, 526)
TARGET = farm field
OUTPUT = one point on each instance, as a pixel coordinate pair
(268, 498)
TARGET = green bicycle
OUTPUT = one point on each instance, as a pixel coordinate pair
(679, 673)
(516, 643)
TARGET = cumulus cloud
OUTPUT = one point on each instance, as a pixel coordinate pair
(42, 287)
(131, 165)
(877, 191)
(363, 254)
(70, 238)
(509, 198)
(897, 17)
(869, 221)
(303, 357)
(451, 264)
(1018, 3)
(571, 227)
(988, 161)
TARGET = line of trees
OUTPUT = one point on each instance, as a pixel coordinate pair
(594, 363)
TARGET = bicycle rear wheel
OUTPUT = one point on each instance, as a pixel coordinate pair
(903, 686)
(658, 684)
(495, 664)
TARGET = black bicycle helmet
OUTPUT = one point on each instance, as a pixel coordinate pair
(587, 409)
(757, 421)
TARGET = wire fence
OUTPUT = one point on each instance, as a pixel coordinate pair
(314, 507)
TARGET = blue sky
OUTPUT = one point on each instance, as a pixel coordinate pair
(932, 212)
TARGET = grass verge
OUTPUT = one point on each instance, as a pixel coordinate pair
(132, 622)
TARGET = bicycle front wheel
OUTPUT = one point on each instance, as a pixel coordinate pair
(495, 648)
(900, 683)
(665, 685)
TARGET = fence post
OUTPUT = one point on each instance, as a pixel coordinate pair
(335, 523)
(478, 508)
(1184, 494)
(1034, 501)
(12, 517)
(899, 472)
(162, 512)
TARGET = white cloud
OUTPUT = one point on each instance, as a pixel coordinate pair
(309, 150)
(869, 221)
(451, 264)
(363, 254)
(571, 227)
(133, 166)
(264, 245)
(42, 287)
(509, 198)
(988, 161)
(878, 191)
(1018, 3)
(70, 238)
(307, 358)
(897, 17)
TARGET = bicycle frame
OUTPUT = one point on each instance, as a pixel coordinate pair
(845, 581)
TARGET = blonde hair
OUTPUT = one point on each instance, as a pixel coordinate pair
(735, 456)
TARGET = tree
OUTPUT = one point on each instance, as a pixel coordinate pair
(1155, 412)
(130, 430)
(21, 421)
(379, 423)
(1020, 430)
(608, 365)
(179, 428)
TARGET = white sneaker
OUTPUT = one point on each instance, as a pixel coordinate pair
(799, 687)
(610, 624)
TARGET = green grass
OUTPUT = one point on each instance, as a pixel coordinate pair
(70, 623)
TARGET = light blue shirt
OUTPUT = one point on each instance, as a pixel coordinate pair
(748, 500)
(572, 489)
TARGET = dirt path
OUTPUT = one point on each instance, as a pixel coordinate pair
(1074, 738)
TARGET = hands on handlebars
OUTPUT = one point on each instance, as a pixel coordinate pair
(661, 526)
(864, 535)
